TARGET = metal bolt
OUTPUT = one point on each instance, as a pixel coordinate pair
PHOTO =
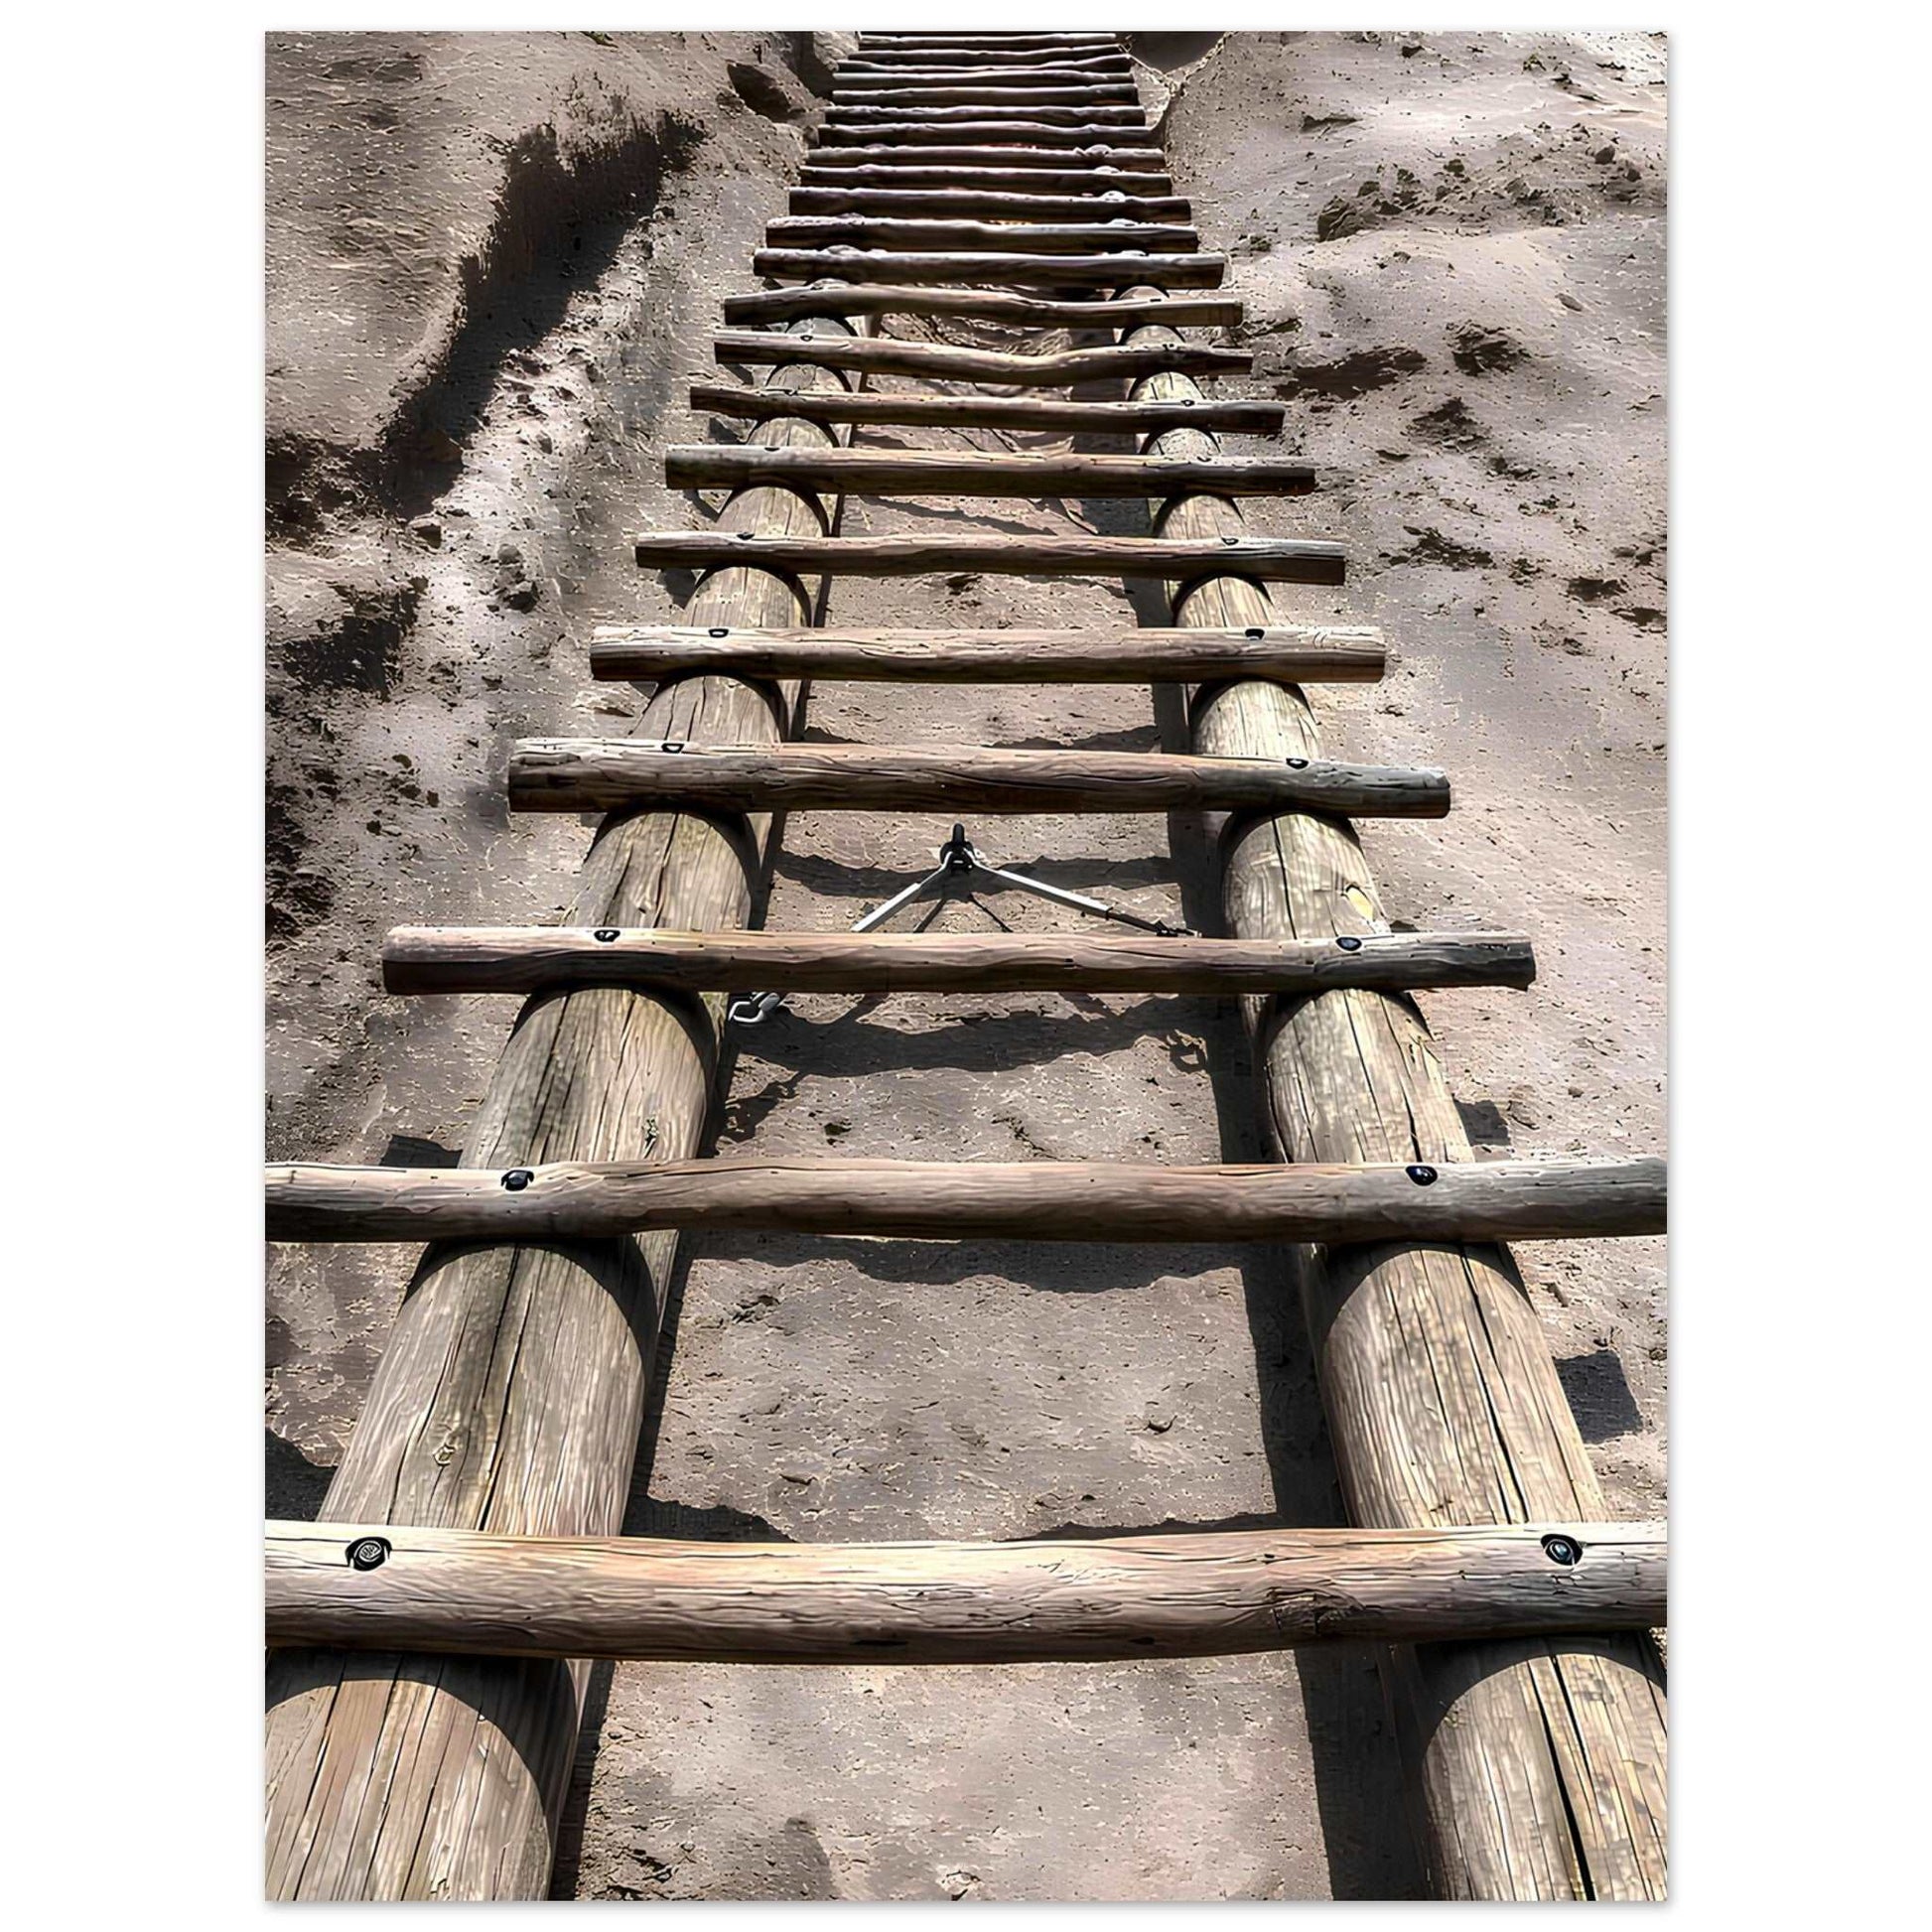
(1348, 942)
(1565, 1549)
(721, 630)
(1230, 539)
(605, 934)
(1296, 764)
(368, 1553)
(1421, 1174)
(518, 1180)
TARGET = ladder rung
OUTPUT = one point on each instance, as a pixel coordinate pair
(958, 202)
(987, 412)
(1281, 560)
(857, 80)
(975, 473)
(526, 959)
(997, 139)
(965, 1200)
(589, 774)
(1199, 271)
(1095, 160)
(987, 305)
(916, 96)
(1085, 121)
(1205, 1594)
(893, 233)
(943, 359)
(1290, 653)
(1058, 174)
(988, 66)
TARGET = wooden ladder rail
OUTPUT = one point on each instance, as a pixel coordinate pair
(510, 1393)
(1539, 1763)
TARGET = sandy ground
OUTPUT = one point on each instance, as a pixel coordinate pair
(1452, 251)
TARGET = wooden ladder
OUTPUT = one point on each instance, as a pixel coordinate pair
(431, 1630)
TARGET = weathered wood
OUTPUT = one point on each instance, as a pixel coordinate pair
(996, 412)
(989, 46)
(1307, 653)
(1000, 137)
(511, 1392)
(1040, 370)
(1210, 1593)
(984, 65)
(1093, 160)
(1292, 560)
(973, 472)
(969, 1200)
(892, 232)
(1199, 271)
(528, 959)
(1058, 174)
(1539, 1765)
(988, 305)
(1115, 75)
(969, 203)
(577, 774)
(977, 95)
(987, 120)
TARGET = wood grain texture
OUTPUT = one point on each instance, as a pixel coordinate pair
(526, 959)
(984, 304)
(894, 232)
(920, 95)
(580, 774)
(1294, 560)
(982, 204)
(511, 1392)
(996, 412)
(1308, 653)
(1200, 271)
(1088, 161)
(1119, 145)
(1539, 1765)
(1020, 68)
(1037, 173)
(1037, 371)
(1208, 1595)
(938, 1200)
(974, 473)
(1088, 122)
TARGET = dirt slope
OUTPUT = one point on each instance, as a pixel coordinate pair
(1481, 371)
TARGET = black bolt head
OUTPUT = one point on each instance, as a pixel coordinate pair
(1348, 942)
(518, 1180)
(1565, 1549)
(606, 934)
(1296, 764)
(1255, 631)
(1422, 1174)
(721, 630)
(368, 1553)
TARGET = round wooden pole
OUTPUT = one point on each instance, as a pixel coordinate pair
(1540, 1762)
(510, 1393)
